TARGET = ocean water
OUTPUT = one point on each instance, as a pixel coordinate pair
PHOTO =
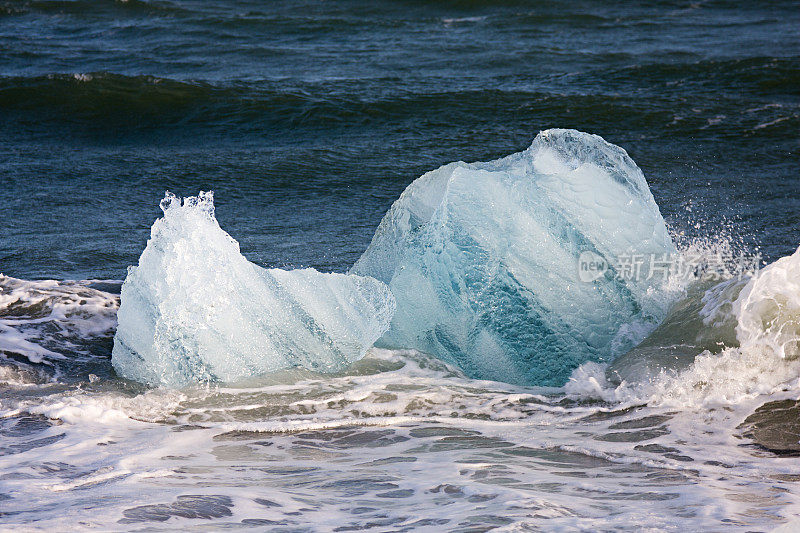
(308, 119)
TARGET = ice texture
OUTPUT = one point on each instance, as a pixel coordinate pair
(482, 259)
(195, 309)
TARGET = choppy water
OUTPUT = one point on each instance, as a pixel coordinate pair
(308, 119)
(399, 442)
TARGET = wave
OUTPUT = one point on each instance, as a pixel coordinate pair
(741, 74)
(105, 100)
(735, 341)
(87, 7)
(54, 330)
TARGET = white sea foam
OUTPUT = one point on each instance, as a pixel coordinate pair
(38, 317)
(399, 431)
(768, 330)
(766, 312)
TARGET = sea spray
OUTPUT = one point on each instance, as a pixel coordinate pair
(754, 323)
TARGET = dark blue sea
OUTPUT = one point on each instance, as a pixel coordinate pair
(308, 119)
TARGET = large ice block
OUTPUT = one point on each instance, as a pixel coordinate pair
(195, 309)
(483, 260)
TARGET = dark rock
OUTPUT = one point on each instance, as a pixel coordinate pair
(775, 426)
(187, 506)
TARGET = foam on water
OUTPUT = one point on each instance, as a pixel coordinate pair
(52, 330)
(766, 312)
(30, 310)
(768, 330)
(398, 441)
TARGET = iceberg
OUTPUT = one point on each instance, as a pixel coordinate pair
(195, 309)
(483, 260)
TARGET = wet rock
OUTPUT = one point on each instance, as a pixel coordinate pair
(187, 506)
(775, 426)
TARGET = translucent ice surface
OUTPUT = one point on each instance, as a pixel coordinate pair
(483, 260)
(195, 309)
